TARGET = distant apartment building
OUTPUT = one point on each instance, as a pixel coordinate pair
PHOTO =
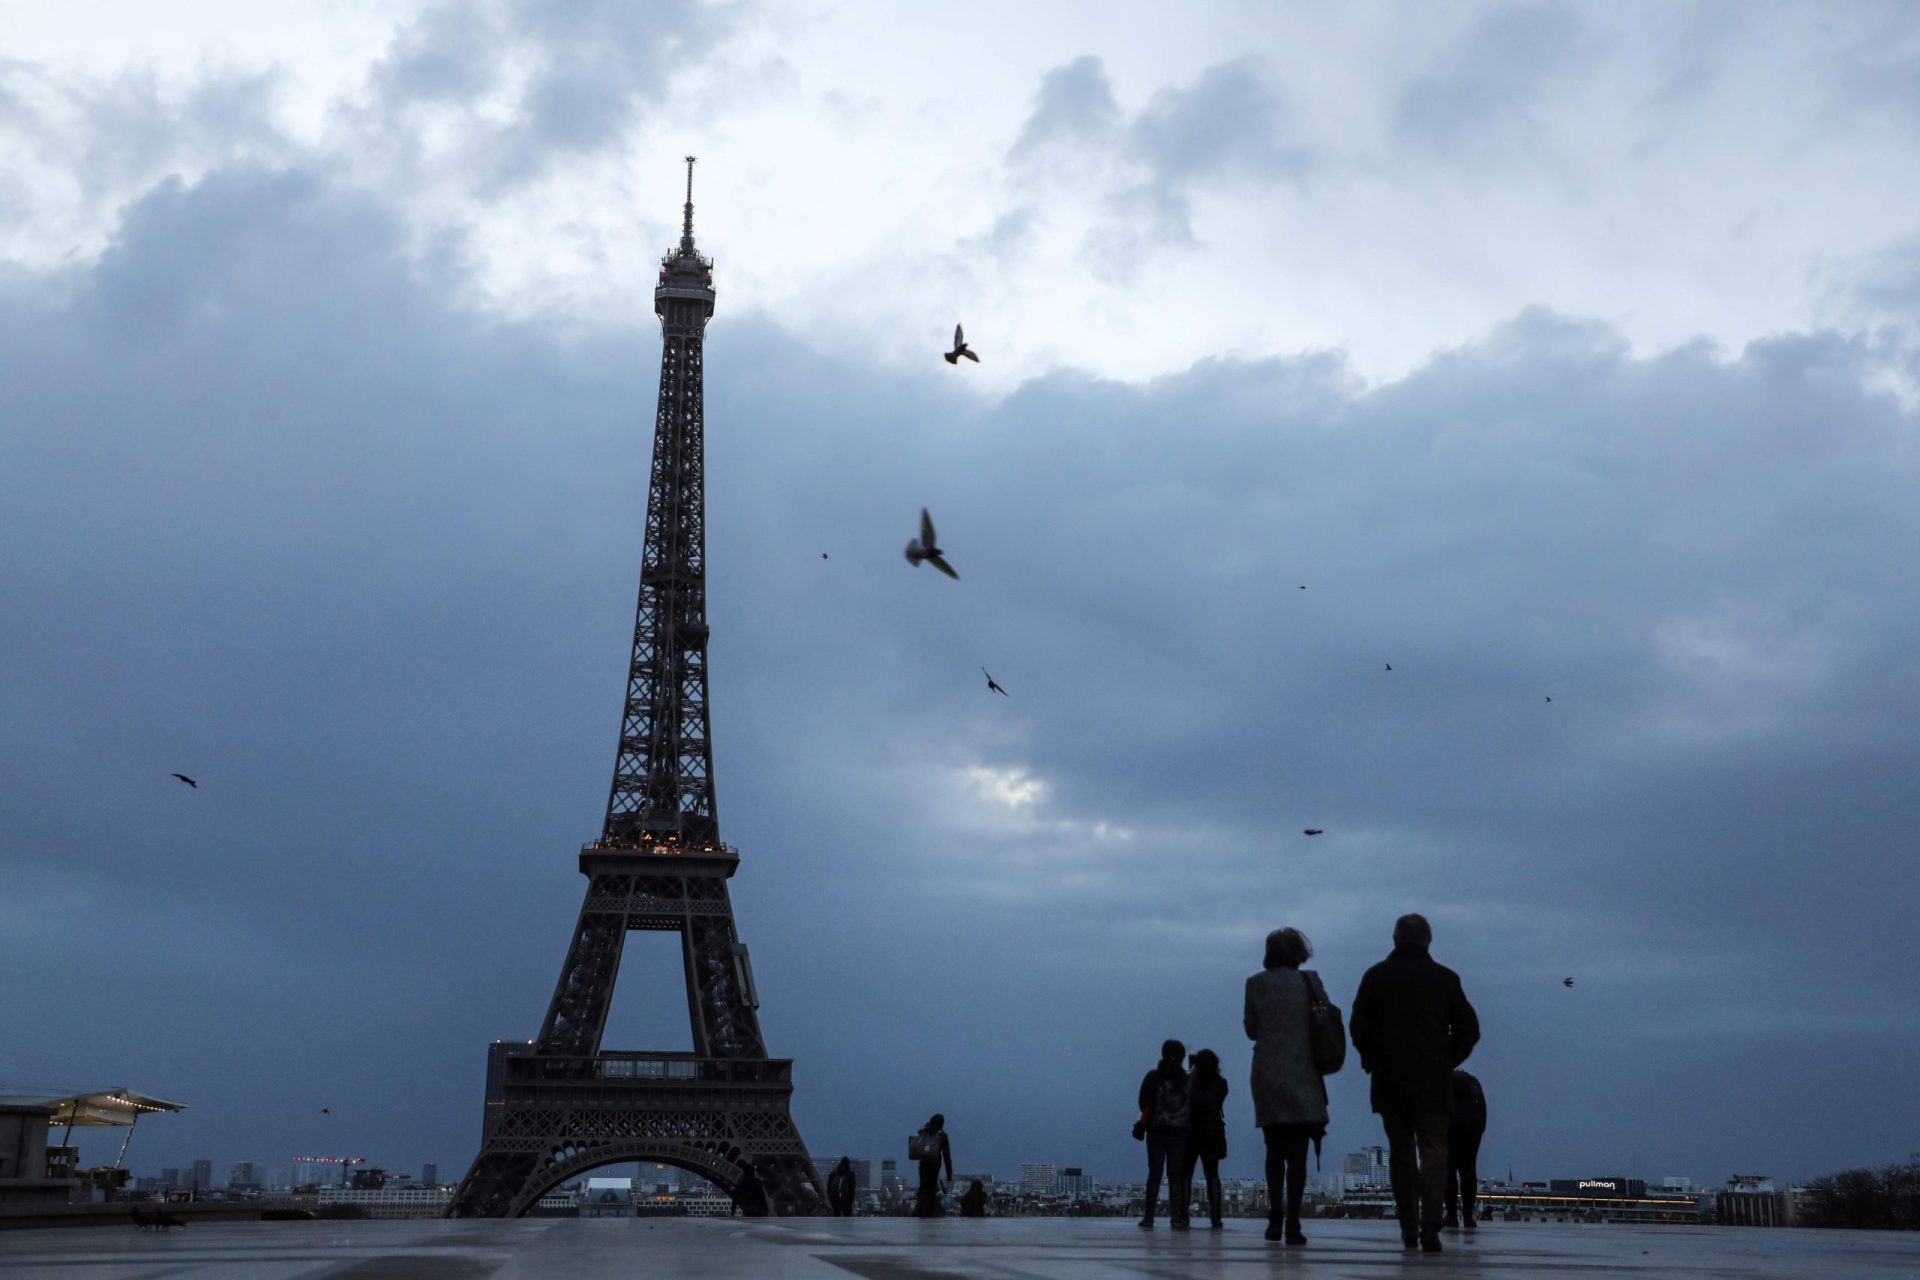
(245, 1176)
(430, 1174)
(1075, 1183)
(1037, 1179)
(863, 1174)
(890, 1179)
(607, 1198)
(202, 1175)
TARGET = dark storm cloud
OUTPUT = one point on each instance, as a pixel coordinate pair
(577, 76)
(1480, 101)
(281, 516)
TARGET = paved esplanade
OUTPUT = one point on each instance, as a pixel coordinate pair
(906, 1249)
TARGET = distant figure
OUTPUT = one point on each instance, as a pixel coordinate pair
(189, 781)
(1289, 1095)
(1166, 1114)
(1465, 1128)
(993, 686)
(934, 1139)
(974, 1203)
(1412, 1026)
(1207, 1135)
(840, 1189)
(749, 1196)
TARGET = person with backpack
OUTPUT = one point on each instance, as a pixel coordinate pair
(931, 1149)
(1207, 1130)
(1166, 1113)
(1289, 1093)
(1412, 1026)
(1465, 1127)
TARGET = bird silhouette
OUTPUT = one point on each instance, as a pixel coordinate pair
(960, 348)
(992, 686)
(1389, 666)
(326, 1111)
(924, 548)
(1549, 699)
(823, 555)
(1313, 831)
(189, 781)
(1566, 982)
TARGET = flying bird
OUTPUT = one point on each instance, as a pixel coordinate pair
(960, 348)
(189, 781)
(924, 548)
(1566, 982)
(326, 1111)
(823, 555)
(1314, 831)
(992, 686)
(1389, 666)
(1549, 699)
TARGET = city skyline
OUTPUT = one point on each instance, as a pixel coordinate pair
(1535, 351)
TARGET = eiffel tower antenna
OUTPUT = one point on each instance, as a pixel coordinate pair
(686, 210)
(560, 1105)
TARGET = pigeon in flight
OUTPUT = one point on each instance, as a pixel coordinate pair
(1566, 982)
(1313, 831)
(992, 686)
(924, 548)
(189, 781)
(960, 348)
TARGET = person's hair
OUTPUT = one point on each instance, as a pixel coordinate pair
(1413, 927)
(937, 1122)
(1287, 949)
(1207, 1064)
(1173, 1051)
(976, 1186)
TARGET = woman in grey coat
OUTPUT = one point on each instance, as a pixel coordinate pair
(1289, 1097)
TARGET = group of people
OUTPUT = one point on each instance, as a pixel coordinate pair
(1411, 1026)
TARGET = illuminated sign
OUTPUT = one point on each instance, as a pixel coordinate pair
(1599, 1183)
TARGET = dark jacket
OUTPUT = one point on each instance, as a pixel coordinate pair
(974, 1203)
(1412, 1026)
(1209, 1126)
(1469, 1106)
(1172, 1080)
(840, 1187)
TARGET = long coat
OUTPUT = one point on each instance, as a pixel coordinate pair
(1287, 1088)
(1412, 1026)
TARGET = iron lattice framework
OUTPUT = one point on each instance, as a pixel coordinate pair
(560, 1105)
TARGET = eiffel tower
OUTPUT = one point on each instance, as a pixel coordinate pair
(560, 1105)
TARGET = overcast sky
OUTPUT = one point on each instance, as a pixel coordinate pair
(1557, 352)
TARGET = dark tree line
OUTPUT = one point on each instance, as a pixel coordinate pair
(1887, 1198)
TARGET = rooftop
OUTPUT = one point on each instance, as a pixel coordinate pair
(905, 1249)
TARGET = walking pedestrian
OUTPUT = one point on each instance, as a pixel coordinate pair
(934, 1151)
(1207, 1132)
(1412, 1026)
(1465, 1128)
(840, 1187)
(1289, 1094)
(1165, 1114)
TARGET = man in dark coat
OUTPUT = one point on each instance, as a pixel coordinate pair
(840, 1188)
(1412, 1026)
